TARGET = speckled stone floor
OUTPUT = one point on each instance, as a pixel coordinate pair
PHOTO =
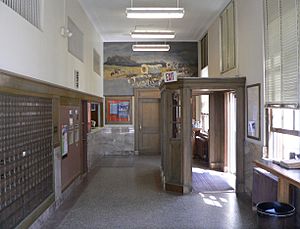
(127, 193)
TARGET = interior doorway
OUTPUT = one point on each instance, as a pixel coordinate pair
(230, 123)
(147, 121)
(214, 170)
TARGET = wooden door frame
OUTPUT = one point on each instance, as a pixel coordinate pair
(141, 93)
(183, 171)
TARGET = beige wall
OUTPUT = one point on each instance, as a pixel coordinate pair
(43, 54)
(249, 63)
(249, 46)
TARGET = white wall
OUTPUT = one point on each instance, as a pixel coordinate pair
(214, 49)
(249, 46)
(249, 63)
(250, 40)
(43, 54)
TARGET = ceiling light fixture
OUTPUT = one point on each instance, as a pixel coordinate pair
(151, 48)
(163, 34)
(154, 13)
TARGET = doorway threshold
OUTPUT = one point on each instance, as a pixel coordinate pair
(210, 181)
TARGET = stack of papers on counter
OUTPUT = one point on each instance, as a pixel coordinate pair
(290, 164)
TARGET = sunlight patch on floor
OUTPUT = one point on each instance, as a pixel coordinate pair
(213, 200)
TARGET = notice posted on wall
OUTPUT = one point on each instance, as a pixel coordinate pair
(64, 140)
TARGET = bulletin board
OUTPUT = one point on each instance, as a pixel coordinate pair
(118, 110)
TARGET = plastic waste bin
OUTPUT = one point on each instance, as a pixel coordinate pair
(275, 215)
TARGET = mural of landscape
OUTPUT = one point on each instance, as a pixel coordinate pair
(145, 69)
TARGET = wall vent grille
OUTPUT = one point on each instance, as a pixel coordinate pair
(76, 79)
(29, 9)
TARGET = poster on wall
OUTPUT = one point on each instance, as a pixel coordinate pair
(64, 140)
(118, 110)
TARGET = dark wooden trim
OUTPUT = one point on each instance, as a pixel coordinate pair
(209, 84)
(174, 188)
(23, 85)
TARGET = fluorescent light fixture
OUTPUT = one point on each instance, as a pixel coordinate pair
(151, 47)
(158, 12)
(163, 34)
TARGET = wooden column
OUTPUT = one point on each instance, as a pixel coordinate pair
(186, 95)
(240, 137)
(216, 130)
(283, 193)
(164, 126)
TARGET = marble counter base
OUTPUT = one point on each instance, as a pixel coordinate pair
(110, 141)
(252, 152)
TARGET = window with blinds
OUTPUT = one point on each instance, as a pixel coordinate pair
(29, 9)
(204, 51)
(227, 38)
(282, 52)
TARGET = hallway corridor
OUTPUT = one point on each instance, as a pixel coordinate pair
(125, 192)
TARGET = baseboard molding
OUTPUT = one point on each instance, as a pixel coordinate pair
(34, 216)
(174, 188)
(42, 213)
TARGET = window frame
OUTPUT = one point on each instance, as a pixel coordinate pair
(225, 48)
(204, 51)
(283, 130)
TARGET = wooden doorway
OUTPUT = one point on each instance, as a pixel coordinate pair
(147, 121)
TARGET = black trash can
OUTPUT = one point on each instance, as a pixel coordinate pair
(275, 215)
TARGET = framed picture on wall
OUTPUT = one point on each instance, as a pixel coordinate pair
(253, 111)
(118, 110)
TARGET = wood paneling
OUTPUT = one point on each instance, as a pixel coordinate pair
(12, 83)
(186, 94)
(286, 178)
(71, 165)
(18, 84)
(177, 153)
(216, 131)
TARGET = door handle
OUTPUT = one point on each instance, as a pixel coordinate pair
(140, 127)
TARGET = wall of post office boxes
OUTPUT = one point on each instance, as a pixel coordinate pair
(26, 166)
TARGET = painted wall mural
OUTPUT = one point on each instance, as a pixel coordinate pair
(145, 69)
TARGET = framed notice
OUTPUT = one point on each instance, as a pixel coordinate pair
(118, 110)
(253, 111)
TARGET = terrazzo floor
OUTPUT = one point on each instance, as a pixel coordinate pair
(125, 192)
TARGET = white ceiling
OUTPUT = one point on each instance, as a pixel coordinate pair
(108, 16)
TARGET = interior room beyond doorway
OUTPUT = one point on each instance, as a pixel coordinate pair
(213, 170)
